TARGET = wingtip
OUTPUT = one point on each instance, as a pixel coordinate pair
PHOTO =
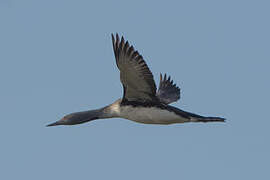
(122, 40)
(114, 35)
(113, 40)
(117, 37)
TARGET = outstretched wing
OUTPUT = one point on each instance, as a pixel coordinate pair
(168, 92)
(135, 75)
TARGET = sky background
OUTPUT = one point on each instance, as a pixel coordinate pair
(56, 58)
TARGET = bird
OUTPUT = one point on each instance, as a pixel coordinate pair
(141, 101)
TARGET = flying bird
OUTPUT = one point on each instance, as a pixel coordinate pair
(141, 101)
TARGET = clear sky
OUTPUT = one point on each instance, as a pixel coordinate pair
(56, 58)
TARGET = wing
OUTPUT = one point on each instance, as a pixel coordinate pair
(135, 75)
(167, 91)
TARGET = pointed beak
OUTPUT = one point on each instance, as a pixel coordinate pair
(54, 124)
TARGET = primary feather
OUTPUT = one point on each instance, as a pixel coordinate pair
(167, 92)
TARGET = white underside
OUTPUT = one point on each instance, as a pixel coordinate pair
(148, 115)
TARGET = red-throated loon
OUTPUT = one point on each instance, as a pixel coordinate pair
(140, 102)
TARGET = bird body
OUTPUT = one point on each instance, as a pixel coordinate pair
(145, 114)
(141, 101)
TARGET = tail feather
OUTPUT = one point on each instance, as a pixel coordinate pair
(208, 119)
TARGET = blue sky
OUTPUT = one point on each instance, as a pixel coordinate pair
(56, 57)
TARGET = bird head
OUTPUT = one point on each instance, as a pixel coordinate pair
(77, 118)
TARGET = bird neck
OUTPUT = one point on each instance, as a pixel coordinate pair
(85, 116)
(109, 111)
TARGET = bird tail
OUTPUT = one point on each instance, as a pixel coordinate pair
(207, 119)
